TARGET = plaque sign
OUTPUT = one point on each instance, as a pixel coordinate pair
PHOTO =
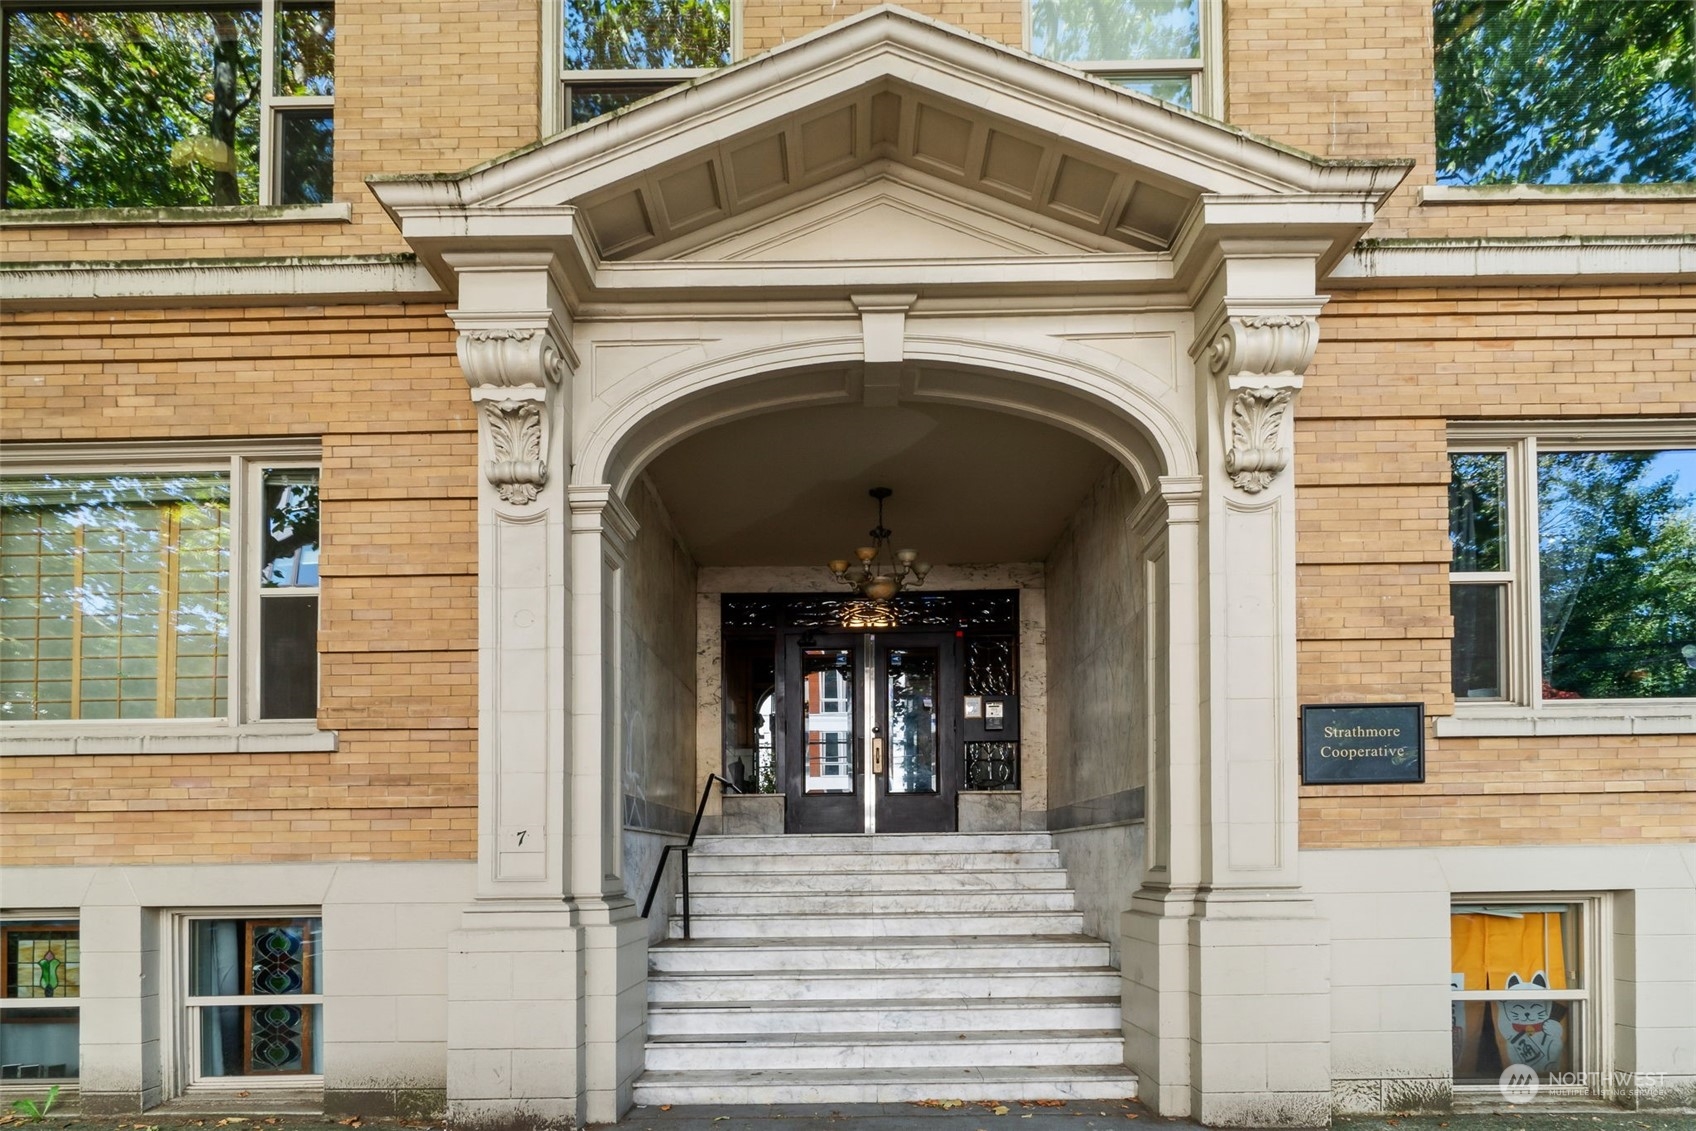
(1362, 742)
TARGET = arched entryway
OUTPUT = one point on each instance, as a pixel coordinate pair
(891, 215)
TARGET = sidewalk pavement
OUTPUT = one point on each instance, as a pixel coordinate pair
(1075, 1115)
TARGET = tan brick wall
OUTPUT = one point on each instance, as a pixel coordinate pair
(398, 641)
(1372, 551)
(1355, 80)
(422, 86)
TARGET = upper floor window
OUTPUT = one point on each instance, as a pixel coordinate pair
(168, 105)
(618, 51)
(1565, 91)
(1154, 47)
(1574, 568)
(181, 591)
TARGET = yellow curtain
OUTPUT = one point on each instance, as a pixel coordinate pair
(1485, 949)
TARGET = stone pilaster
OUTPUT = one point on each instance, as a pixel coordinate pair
(517, 967)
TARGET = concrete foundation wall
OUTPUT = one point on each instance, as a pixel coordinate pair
(385, 951)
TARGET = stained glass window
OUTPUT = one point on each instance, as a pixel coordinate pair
(271, 968)
(40, 991)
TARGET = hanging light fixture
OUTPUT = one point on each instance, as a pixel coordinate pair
(879, 574)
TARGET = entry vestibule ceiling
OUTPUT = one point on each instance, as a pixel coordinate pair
(789, 488)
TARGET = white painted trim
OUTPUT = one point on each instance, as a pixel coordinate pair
(52, 286)
(1551, 194)
(1561, 259)
(1648, 716)
(335, 212)
(119, 736)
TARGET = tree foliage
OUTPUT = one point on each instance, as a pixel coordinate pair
(603, 35)
(132, 107)
(1618, 574)
(1565, 91)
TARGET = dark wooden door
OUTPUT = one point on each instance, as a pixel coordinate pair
(916, 752)
(822, 766)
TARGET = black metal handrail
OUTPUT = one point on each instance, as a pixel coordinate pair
(683, 851)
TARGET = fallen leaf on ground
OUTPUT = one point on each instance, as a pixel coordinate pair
(226, 1121)
(1049, 1103)
(1130, 1115)
(665, 1107)
(720, 1118)
(999, 1109)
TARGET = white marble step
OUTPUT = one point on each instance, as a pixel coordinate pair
(770, 861)
(876, 902)
(782, 845)
(742, 1052)
(828, 880)
(941, 923)
(894, 1085)
(914, 985)
(898, 953)
(874, 1015)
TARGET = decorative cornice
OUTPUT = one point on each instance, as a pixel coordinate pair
(511, 357)
(595, 507)
(518, 471)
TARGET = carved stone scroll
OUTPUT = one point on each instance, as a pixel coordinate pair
(503, 357)
(1262, 359)
(515, 436)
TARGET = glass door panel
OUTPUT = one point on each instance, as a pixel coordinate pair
(827, 711)
(910, 687)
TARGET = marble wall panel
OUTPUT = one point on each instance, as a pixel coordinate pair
(1095, 600)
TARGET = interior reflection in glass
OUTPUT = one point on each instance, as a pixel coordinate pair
(912, 720)
(827, 678)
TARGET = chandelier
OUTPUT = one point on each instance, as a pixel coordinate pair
(879, 573)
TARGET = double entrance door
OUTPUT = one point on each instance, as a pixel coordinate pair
(870, 731)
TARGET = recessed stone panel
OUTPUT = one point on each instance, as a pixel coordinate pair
(1081, 189)
(1152, 215)
(621, 222)
(1011, 163)
(760, 168)
(690, 195)
(886, 118)
(942, 138)
(828, 141)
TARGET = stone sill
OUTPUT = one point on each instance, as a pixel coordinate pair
(25, 739)
(335, 213)
(1553, 194)
(1595, 718)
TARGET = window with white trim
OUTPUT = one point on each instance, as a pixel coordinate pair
(1523, 984)
(618, 51)
(1160, 48)
(155, 104)
(40, 999)
(1573, 569)
(181, 587)
(253, 1006)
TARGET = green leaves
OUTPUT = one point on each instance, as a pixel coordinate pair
(1565, 91)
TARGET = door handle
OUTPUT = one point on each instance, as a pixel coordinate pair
(877, 755)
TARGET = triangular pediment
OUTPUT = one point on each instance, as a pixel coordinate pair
(888, 135)
(888, 218)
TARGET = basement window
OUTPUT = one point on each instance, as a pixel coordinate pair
(40, 1000)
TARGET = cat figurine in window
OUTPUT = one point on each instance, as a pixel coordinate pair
(1529, 1032)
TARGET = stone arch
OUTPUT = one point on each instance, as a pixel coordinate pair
(1061, 384)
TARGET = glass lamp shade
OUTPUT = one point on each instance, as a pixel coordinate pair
(881, 587)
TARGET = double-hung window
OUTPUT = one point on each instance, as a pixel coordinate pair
(1573, 568)
(177, 104)
(1154, 47)
(176, 587)
(1523, 978)
(40, 995)
(1565, 91)
(254, 999)
(617, 53)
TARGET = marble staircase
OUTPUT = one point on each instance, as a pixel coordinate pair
(844, 969)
